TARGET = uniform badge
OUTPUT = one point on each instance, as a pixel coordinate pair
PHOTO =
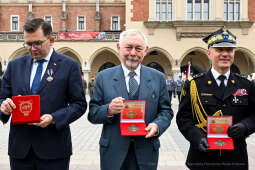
(239, 92)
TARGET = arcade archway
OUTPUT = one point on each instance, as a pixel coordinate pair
(158, 59)
(71, 53)
(102, 59)
(198, 59)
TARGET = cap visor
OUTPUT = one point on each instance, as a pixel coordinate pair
(224, 44)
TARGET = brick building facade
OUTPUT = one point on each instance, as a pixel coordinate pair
(174, 29)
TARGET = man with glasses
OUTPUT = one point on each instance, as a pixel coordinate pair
(57, 79)
(218, 92)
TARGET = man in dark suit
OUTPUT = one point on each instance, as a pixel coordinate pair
(111, 88)
(47, 144)
(217, 92)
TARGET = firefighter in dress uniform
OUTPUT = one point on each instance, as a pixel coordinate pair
(217, 92)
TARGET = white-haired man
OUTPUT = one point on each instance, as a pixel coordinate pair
(112, 87)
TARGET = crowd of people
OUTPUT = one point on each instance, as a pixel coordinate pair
(116, 94)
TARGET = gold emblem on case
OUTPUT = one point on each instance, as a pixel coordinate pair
(131, 114)
(133, 128)
(220, 142)
(26, 107)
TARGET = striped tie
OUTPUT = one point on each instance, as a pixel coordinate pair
(133, 85)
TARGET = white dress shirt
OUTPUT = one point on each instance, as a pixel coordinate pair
(217, 74)
(137, 76)
(35, 65)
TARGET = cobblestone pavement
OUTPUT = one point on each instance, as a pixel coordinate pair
(85, 137)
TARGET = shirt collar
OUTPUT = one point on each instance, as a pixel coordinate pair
(47, 58)
(126, 71)
(216, 74)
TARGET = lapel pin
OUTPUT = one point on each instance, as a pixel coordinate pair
(153, 95)
(209, 82)
(233, 81)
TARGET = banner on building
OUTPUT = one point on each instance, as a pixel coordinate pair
(81, 35)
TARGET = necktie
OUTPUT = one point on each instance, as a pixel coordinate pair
(222, 85)
(37, 77)
(133, 85)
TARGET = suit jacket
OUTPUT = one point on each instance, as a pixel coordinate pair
(212, 101)
(63, 98)
(110, 83)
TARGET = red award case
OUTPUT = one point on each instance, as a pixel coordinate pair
(27, 109)
(132, 121)
(217, 127)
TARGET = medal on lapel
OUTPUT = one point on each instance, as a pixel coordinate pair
(50, 73)
(235, 100)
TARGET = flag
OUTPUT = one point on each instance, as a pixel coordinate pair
(188, 76)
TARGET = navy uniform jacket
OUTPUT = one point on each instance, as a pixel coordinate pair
(171, 85)
(242, 111)
(63, 98)
(110, 84)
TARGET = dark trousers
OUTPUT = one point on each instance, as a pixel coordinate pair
(130, 163)
(32, 162)
(179, 95)
(170, 95)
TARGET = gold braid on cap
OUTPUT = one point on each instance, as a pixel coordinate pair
(198, 110)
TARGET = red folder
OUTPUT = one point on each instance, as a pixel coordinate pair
(27, 109)
(132, 121)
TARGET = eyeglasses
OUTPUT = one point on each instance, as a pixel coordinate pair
(35, 44)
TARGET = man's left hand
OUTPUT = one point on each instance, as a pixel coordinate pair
(238, 130)
(152, 129)
(46, 120)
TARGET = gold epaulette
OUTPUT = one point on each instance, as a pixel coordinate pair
(198, 110)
